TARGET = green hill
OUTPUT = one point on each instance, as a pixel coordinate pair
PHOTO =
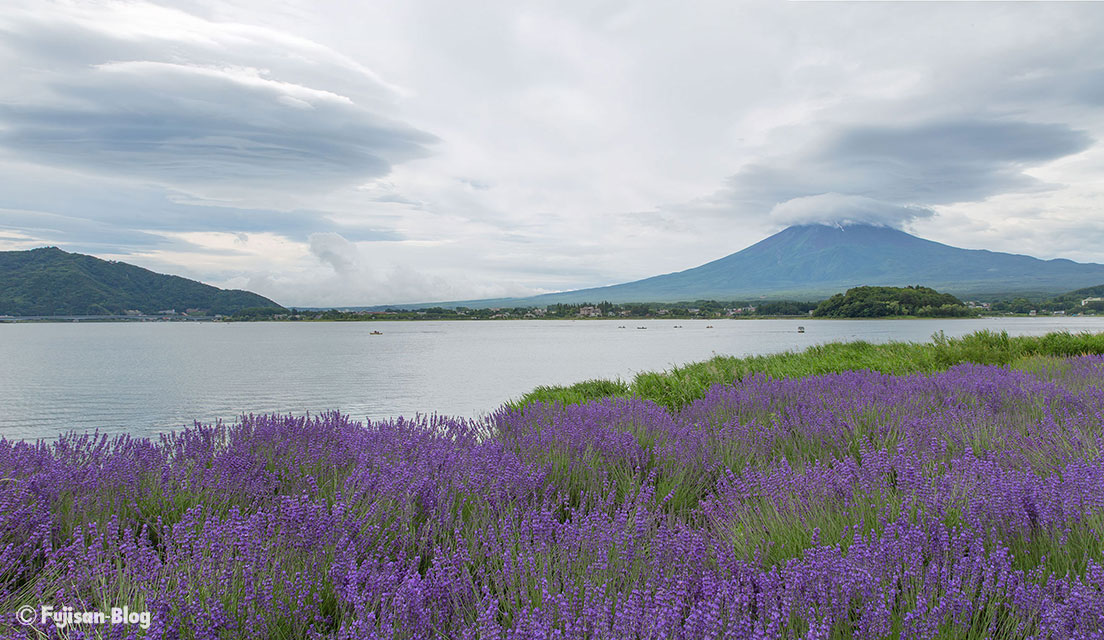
(1069, 302)
(52, 282)
(1088, 292)
(878, 302)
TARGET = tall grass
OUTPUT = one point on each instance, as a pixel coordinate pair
(682, 385)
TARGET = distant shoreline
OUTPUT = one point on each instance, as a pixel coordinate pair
(160, 319)
(101, 319)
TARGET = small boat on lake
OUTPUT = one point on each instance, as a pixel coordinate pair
(801, 329)
(377, 333)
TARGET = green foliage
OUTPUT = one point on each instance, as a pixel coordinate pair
(578, 393)
(52, 282)
(1071, 302)
(584, 310)
(258, 313)
(682, 385)
(878, 302)
(784, 308)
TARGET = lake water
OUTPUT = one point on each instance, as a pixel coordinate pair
(145, 378)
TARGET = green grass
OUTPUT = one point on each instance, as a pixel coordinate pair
(682, 385)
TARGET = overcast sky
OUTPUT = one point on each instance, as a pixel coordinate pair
(344, 152)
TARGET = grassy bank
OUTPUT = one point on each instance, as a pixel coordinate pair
(680, 386)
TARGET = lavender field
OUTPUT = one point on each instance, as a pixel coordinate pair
(961, 504)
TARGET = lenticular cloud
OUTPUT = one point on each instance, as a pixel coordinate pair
(843, 209)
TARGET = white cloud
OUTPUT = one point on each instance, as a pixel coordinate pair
(334, 250)
(16, 241)
(844, 209)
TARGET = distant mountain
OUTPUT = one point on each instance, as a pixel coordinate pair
(814, 261)
(52, 282)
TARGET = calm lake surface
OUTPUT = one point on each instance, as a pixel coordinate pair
(145, 378)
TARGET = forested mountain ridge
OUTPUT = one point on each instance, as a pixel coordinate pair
(52, 282)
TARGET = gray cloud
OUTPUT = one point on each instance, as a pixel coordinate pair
(894, 174)
(71, 231)
(939, 162)
(179, 107)
(119, 218)
(193, 127)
